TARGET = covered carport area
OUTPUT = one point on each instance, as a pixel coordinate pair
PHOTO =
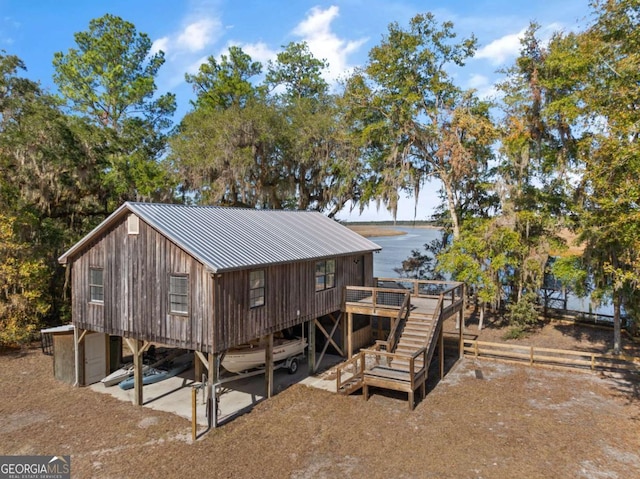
(186, 396)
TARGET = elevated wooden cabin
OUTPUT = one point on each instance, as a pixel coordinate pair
(211, 278)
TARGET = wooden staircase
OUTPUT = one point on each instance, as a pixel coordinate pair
(416, 334)
(401, 362)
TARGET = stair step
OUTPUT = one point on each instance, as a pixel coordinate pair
(415, 345)
(409, 346)
(404, 365)
(405, 350)
(412, 336)
(350, 386)
(412, 341)
(406, 360)
(422, 325)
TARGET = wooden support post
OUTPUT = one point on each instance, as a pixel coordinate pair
(137, 372)
(349, 335)
(78, 337)
(194, 414)
(343, 332)
(268, 360)
(137, 348)
(312, 346)
(198, 366)
(461, 321)
(212, 394)
(411, 400)
(441, 351)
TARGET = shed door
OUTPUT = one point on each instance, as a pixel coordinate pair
(95, 358)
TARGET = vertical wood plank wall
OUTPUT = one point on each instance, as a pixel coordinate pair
(136, 269)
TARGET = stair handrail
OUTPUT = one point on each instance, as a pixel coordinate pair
(403, 314)
(358, 363)
(438, 311)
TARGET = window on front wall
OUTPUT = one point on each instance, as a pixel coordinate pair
(179, 294)
(325, 274)
(96, 285)
(256, 288)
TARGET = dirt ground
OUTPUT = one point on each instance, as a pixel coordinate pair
(484, 420)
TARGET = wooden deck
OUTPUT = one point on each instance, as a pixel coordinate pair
(405, 302)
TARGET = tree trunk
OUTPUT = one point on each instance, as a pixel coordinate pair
(451, 205)
(481, 321)
(617, 339)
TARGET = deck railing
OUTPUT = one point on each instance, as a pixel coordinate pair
(350, 373)
(423, 288)
(375, 357)
(375, 298)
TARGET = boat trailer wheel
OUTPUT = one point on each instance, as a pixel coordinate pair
(293, 366)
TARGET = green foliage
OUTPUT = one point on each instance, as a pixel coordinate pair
(523, 313)
(299, 72)
(415, 122)
(226, 84)
(109, 80)
(515, 332)
(571, 272)
(24, 301)
(243, 146)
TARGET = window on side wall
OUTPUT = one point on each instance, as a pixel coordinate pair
(179, 294)
(96, 285)
(325, 274)
(256, 288)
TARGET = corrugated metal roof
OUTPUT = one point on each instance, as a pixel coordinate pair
(226, 239)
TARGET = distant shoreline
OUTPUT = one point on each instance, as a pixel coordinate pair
(377, 229)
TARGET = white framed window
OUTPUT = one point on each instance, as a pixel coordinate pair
(179, 294)
(256, 288)
(96, 285)
(325, 274)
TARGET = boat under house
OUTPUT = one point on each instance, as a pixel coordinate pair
(209, 279)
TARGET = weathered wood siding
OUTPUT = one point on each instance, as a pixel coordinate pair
(290, 298)
(136, 270)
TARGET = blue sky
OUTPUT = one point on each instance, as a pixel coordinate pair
(340, 31)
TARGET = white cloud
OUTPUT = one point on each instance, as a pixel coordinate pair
(316, 31)
(259, 52)
(502, 49)
(160, 44)
(189, 46)
(484, 87)
(198, 35)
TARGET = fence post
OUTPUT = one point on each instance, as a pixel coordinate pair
(531, 357)
(476, 348)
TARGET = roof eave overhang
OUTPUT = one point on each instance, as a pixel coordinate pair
(112, 219)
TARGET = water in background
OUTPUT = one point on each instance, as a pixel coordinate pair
(395, 249)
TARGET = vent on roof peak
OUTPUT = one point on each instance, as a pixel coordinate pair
(133, 224)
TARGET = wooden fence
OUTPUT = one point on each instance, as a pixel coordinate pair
(550, 357)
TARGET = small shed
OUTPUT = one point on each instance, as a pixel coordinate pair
(58, 342)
